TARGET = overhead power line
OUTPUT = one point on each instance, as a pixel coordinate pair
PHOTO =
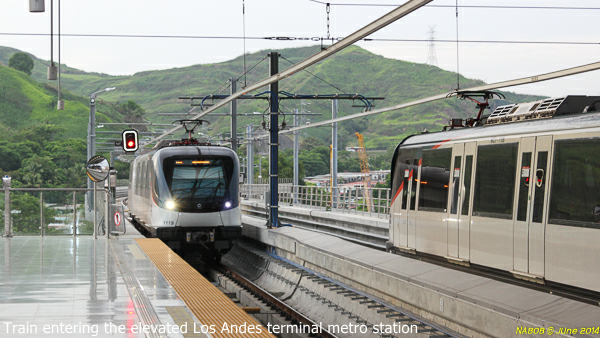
(363, 32)
(498, 85)
(323, 80)
(315, 39)
(462, 6)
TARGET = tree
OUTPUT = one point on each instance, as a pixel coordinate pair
(33, 175)
(38, 171)
(76, 176)
(22, 62)
(310, 143)
(316, 161)
(27, 219)
(286, 165)
(11, 159)
(132, 109)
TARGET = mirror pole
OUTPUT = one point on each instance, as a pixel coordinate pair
(107, 211)
(95, 233)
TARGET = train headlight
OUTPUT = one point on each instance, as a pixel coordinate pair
(170, 205)
(228, 204)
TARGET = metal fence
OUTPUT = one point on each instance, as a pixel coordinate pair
(52, 211)
(348, 200)
(266, 181)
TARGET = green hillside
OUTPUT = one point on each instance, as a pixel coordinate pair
(353, 70)
(42, 146)
(25, 103)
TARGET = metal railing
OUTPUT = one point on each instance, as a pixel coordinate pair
(51, 213)
(349, 200)
(266, 181)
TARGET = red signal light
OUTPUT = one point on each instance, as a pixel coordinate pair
(130, 140)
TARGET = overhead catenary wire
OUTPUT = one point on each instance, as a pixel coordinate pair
(249, 70)
(526, 80)
(383, 21)
(315, 39)
(316, 76)
(462, 6)
(226, 85)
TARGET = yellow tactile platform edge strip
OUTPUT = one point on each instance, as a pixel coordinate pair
(212, 308)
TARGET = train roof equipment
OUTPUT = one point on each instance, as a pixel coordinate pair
(189, 126)
(485, 95)
(546, 108)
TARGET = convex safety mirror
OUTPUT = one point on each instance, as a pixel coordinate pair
(97, 168)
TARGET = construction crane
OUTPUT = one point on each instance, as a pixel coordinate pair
(364, 168)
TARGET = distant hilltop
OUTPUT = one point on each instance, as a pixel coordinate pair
(398, 81)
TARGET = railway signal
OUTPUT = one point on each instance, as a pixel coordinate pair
(130, 140)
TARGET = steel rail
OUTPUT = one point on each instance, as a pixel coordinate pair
(510, 83)
(276, 302)
(401, 11)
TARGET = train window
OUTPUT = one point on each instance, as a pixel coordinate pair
(540, 186)
(435, 177)
(495, 180)
(144, 170)
(525, 175)
(405, 175)
(455, 185)
(575, 197)
(141, 178)
(468, 172)
(199, 185)
(148, 178)
(413, 194)
(399, 179)
(137, 179)
(405, 165)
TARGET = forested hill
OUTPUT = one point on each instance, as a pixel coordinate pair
(353, 70)
(43, 146)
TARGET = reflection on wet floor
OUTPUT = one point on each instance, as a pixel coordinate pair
(62, 286)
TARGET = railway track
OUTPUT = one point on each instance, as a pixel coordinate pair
(257, 271)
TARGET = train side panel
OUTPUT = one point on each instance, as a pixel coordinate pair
(528, 204)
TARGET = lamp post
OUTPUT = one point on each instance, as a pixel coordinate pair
(38, 6)
(91, 147)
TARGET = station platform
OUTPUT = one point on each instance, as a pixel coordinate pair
(126, 286)
(471, 305)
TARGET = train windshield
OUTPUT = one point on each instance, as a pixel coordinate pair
(199, 185)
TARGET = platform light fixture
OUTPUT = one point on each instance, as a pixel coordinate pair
(36, 6)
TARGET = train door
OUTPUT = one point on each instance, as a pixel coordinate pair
(458, 220)
(413, 187)
(532, 187)
(405, 173)
(403, 215)
(540, 190)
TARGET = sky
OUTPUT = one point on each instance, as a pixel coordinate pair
(484, 60)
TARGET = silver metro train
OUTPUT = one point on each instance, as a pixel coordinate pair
(187, 194)
(520, 192)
